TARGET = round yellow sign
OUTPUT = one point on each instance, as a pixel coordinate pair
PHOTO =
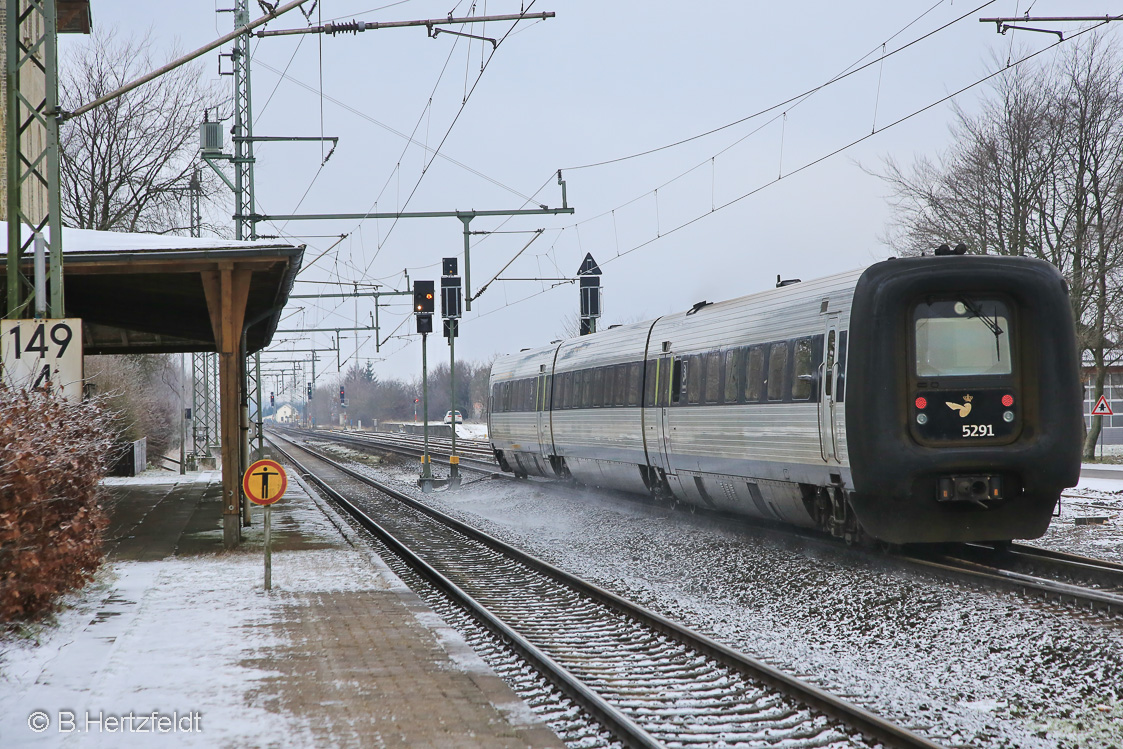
(265, 482)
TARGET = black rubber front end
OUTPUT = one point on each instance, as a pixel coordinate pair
(896, 479)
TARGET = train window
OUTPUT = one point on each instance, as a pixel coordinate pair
(962, 336)
(635, 379)
(694, 381)
(596, 396)
(734, 374)
(754, 374)
(840, 384)
(713, 377)
(777, 370)
(802, 370)
(620, 385)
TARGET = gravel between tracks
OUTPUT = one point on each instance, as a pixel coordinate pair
(981, 669)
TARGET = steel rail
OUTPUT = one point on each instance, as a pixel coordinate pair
(967, 570)
(619, 724)
(471, 464)
(1064, 556)
(975, 572)
(851, 715)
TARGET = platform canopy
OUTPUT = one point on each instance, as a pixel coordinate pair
(146, 293)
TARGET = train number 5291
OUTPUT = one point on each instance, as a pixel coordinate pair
(978, 430)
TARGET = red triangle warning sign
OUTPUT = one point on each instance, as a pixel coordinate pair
(1102, 407)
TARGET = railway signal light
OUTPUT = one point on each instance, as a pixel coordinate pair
(424, 324)
(450, 297)
(309, 391)
(589, 274)
(271, 399)
(342, 397)
(448, 266)
(423, 299)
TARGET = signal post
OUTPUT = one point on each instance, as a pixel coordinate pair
(423, 305)
(450, 311)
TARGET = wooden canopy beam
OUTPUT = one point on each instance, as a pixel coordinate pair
(227, 290)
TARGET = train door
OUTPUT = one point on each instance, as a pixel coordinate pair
(656, 387)
(670, 369)
(542, 412)
(828, 390)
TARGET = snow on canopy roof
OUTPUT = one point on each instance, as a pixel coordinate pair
(89, 240)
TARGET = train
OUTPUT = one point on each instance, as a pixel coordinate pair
(924, 399)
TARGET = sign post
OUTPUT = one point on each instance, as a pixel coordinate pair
(264, 483)
(1102, 408)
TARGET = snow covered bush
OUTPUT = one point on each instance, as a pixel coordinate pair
(53, 453)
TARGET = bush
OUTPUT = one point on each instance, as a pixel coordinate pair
(53, 453)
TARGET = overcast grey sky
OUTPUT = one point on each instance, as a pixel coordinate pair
(599, 82)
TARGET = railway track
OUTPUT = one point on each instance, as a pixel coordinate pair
(474, 454)
(649, 681)
(1086, 583)
(1092, 584)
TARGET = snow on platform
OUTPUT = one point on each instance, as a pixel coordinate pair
(190, 650)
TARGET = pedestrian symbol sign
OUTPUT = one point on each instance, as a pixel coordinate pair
(265, 482)
(1103, 408)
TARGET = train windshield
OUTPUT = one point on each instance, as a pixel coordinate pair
(962, 336)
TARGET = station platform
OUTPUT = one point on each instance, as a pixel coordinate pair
(176, 632)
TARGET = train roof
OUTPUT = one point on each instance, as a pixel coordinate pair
(769, 309)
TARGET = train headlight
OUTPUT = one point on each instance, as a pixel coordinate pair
(922, 418)
(1008, 416)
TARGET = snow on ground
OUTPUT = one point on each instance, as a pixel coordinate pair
(1099, 504)
(967, 667)
(182, 637)
(472, 431)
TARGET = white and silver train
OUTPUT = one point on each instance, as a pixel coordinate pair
(925, 399)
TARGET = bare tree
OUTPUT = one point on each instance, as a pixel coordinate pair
(127, 165)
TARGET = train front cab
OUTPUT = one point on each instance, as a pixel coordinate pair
(964, 400)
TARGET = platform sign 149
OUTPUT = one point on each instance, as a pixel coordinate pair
(42, 354)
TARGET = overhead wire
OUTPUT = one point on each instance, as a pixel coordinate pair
(820, 159)
(840, 77)
(856, 141)
(389, 129)
(452, 125)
